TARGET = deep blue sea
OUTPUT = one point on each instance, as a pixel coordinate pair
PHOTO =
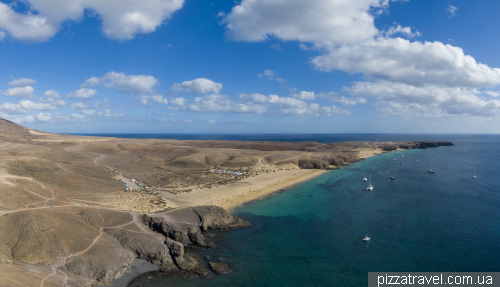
(311, 235)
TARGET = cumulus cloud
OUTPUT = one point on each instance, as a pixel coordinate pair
(414, 63)
(111, 114)
(78, 106)
(324, 23)
(198, 86)
(121, 20)
(53, 101)
(271, 75)
(21, 82)
(402, 30)
(91, 82)
(220, 103)
(25, 106)
(82, 93)
(155, 98)
(20, 92)
(292, 106)
(306, 96)
(493, 93)
(179, 101)
(52, 94)
(428, 101)
(52, 118)
(130, 84)
(332, 96)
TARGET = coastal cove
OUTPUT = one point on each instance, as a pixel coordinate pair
(311, 235)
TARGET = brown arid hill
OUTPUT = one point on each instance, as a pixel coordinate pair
(67, 218)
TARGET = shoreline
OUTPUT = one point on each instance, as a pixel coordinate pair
(265, 192)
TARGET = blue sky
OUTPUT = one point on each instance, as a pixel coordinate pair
(253, 66)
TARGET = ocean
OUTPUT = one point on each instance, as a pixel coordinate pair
(311, 235)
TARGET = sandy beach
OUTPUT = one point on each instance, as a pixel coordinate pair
(270, 179)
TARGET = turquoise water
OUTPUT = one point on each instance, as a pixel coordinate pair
(311, 235)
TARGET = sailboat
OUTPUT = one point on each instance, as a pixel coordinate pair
(474, 176)
(370, 187)
(364, 179)
(392, 177)
(417, 156)
(373, 169)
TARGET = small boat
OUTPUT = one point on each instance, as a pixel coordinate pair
(394, 159)
(364, 179)
(430, 171)
(370, 187)
(366, 238)
(392, 177)
(400, 163)
(402, 155)
(474, 176)
(417, 156)
(373, 169)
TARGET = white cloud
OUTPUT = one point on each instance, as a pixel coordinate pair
(211, 122)
(428, 101)
(52, 118)
(89, 112)
(452, 10)
(2, 35)
(324, 23)
(20, 92)
(121, 20)
(52, 101)
(91, 82)
(415, 63)
(102, 104)
(130, 84)
(52, 94)
(188, 121)
(492, 93)
(306, 96)
(198, 86)
(25, 106)
(111, 114)
(28, 26)
(348, 101)
(221, 103)
(155, 98)
(280, 80)
(402, 30)
(78, 106)
(82, 93)
(179, 101)
(22, 82)
(133, 85)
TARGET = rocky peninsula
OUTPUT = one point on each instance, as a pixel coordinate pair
(77, 211)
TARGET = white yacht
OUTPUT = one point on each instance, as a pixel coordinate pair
(364, 179)
(392, 177)
(430, 171)
(370, 187)
(366, 238)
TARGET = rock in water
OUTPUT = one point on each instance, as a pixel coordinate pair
(220, 268)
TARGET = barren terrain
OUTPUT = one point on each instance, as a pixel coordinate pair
(70, 204)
